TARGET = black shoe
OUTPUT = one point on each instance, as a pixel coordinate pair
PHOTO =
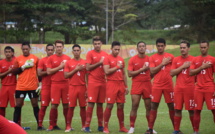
(149, 131)
(56, 128)
(39, 128)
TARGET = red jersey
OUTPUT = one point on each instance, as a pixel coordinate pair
(112, 62)
(46, 80)
(135, 63)
(9, 127)
(10, 79)
(96, 75)
(162, 79)
(79, 77)
(205, 80)
(27, 80)
(183, 78)
(53, 62)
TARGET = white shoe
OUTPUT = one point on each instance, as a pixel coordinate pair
(131, 130)
(154, 132)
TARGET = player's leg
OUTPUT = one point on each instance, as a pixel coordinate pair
(4, 98)
(133, 114)
(83, 116)
(147, 103)
(65, 99)
(213, 112)
(210, 101)
(2, 111)
(169, 98)
(107, 115)
(69, 119)
(20, 96)
(191, 114)
(34, 102)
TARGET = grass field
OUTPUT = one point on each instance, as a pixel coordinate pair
(162, 125)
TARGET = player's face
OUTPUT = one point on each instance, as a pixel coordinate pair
(184, 49)
(59, 48)
(115, 50)
(76, 52)
(141, 48)
(50, 50)
(26, 50)
(204, 48)
(160, 47)
(97, 45)
(8, 53)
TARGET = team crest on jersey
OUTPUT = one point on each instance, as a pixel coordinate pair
(108, 99)
(90, 98)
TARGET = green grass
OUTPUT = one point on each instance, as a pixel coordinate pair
(162, 125)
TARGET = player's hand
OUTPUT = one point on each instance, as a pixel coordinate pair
(126, 91)
(186, 64)
(86, 95)
(145, 66)
(38, 90)
(62, 64)
(10, 69)
(206, 64)
(102, 59)
(28, 64)
(166, 61)
(119, 64)
(79, 67)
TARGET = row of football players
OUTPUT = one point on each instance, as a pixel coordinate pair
(72, 80)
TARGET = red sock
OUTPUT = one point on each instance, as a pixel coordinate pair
(41, 115)
(65, 111)
(69, 116)
(107, 115)
(177, 122)
(120, 115)
(2, 111)
(171, 115)
(132, 120)
(192, 122)
(213, 111)
(100, 115)
(53, 117)
(196, 120)
(88, 116)
(83, 116)
(152, 118)
(147, 117)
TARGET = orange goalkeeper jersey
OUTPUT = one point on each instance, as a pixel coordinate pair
(27, 80)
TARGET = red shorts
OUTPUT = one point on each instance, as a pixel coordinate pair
(59, 91)
(45, 95)
(96, 92)
(142, 88)
(7, 94)
(115, 92)
(186, 96)
(77, 93)
(157, 93)
(200, 97)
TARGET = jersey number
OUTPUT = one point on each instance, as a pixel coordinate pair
(213, 102)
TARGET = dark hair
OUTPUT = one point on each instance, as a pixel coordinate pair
(9, 47)
(59, 41)
(185, 42)
(49, 45)
(76, 45)
(96, 38)
(26, 43)
(205, 41)
(141, 42)
(160, 40)
(115, 43)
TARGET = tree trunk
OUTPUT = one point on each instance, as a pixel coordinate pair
(67, 38)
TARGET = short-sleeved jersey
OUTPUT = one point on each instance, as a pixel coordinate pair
(205, 80)
(9, 127)
(96, 75)
(183, 78)
(79, 77)
(112, 62)
(53, 62)
(27, 80)
(163, 78)
(46, 80)
(135, 63)
(10, 79)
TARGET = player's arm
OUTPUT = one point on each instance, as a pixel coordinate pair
(56, 69)
(199, 69)
(2, 75)
(137, 72)
(178, 70)
(93, 66)
(125, 82)
(155, 70)
(41, 73)
(71, 73)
